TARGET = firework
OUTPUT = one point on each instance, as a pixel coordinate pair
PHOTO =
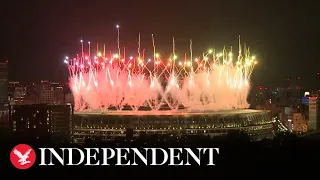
(212, 81)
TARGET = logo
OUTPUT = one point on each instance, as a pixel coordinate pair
(22, 156)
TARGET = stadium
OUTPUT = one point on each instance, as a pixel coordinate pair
(110, 124)
(105, 84)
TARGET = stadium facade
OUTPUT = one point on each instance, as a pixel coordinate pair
(110, 124)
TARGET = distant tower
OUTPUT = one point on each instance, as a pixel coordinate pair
(313, 113)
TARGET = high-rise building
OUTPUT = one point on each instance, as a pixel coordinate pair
(51, 93)
(3, 85)
(19, 94)
(41, 121)
(312, 113)
(4, 99)
(11, 87)
(318, 114)
(299, 123)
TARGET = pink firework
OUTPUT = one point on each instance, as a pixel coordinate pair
(213, 81)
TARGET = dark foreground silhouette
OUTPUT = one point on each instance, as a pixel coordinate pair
(284, 156)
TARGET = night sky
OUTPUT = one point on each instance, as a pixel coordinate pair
(35, 36)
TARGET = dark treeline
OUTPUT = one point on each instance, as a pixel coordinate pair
(284, 156)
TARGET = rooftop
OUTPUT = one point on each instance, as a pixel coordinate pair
(183, 112)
